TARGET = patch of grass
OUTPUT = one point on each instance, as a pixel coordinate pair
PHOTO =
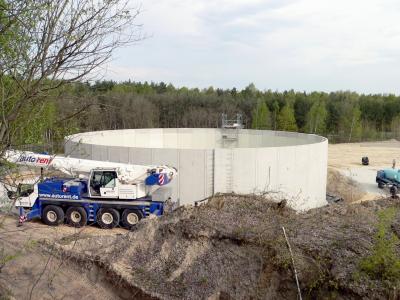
(31, 244)
(383, 263)
(73, 238)
(281, 257)
(6, 258)
(203, 280)
(5, 294)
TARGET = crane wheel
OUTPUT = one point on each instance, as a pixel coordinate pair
(53, 215)
(76, 216)
(107, 218)
(130, 217)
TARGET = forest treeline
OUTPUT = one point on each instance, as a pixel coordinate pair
(341, 116)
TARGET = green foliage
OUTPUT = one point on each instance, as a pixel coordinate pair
(383, 263)
(250, 90)
(346, 116)
(342, 116)
(45, 45)
(369, 131)
(302, 106)
(6, 258)
(316, 117)
(286, 119)
(395, 126)
(261, 117)
(275, 110)
(41, 119)
(355, 125)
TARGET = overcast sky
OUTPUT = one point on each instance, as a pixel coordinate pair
(309, 45)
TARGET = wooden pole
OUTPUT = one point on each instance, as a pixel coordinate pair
(294, 267)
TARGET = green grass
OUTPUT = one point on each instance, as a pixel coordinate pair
(384, 262)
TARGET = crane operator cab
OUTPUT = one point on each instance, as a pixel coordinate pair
(103, 183)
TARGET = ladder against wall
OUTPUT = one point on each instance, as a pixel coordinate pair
(230, 130)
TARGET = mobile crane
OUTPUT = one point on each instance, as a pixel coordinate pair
(111, 194)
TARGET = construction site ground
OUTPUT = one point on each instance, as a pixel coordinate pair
(30, 270)
(357, 182)
(232, 247)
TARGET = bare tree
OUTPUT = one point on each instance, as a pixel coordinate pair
(45, 44)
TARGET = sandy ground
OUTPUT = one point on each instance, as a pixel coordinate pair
(30, 271)
(346, 158)
(381, 154)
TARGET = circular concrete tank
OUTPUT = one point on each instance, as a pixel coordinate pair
(286, 165)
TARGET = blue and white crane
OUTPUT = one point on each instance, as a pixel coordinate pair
(106, 193)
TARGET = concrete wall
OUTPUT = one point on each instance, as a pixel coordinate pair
(286, 165)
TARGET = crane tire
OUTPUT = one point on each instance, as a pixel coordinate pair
(130, 217)
(107, 218)
(53, 215)
(76, 216)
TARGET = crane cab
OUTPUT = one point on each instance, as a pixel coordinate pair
(103, 183)
(107, 184)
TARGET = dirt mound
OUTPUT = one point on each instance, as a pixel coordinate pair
(343, 186)
(234, 247)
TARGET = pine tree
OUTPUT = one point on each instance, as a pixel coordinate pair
(275, 110)
(349, 122)
(316, 118)
(355, 127)
(261, 116)
(395, 126)
(286, 119)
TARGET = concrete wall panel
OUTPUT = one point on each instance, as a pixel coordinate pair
(267, 167)
(71, 149)
(191, 176)
(184, 138)
(140, 156)
(128, 138)
(118, 154)
(209, 173)
(286, 170)
(303, 176)
(100, 152)
(244, 176)
(223, 170)
(84, 150)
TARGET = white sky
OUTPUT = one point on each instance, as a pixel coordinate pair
(276, 44)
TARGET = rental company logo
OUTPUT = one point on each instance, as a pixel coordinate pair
(59, 196)
(35, 160)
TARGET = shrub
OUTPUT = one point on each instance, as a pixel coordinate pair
(384, 262)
